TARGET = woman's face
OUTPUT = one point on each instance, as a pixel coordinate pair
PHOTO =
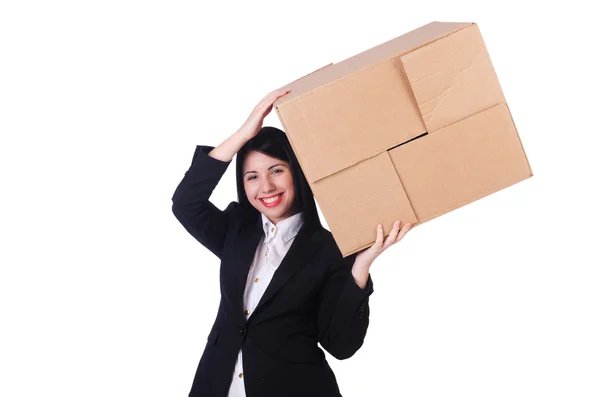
(268, 178)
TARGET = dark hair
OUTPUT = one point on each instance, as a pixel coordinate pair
(273, 142)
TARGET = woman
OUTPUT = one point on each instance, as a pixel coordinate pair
(284, 283)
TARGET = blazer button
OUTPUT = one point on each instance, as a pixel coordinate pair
(243, 331)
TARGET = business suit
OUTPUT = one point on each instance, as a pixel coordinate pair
(311, 298)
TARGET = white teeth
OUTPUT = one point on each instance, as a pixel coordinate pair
(271, 200)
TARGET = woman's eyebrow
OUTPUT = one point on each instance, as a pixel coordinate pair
(274, 165)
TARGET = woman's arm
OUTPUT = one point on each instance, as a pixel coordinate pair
(253, 124)
(344, 305)
(226, 150)
(191, 205)
(343, 316)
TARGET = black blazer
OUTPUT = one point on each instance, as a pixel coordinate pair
(311, 298)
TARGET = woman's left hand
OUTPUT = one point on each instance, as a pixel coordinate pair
(366, 257)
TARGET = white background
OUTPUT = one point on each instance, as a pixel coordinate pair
(102, 291)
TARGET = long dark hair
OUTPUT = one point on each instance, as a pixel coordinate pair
(273, 142)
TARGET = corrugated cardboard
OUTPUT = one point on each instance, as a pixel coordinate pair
(411, 129)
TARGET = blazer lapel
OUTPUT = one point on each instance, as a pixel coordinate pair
(248, 242)
(305, 245)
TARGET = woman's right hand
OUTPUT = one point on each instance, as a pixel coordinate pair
(255, 121)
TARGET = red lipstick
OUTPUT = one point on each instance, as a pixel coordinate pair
(273, 204)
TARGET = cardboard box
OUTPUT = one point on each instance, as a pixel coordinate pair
(411, 129)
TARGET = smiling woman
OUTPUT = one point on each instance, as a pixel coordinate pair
(285, 286)
(269, 186)
(269, 178)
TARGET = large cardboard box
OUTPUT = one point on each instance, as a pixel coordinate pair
(411, 129)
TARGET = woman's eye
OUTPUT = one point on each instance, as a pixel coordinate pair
(254, 176)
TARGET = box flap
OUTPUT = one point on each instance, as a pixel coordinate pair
(351, 119)
(452, 78)
(461, 163)
(390, 49)
(358, 198)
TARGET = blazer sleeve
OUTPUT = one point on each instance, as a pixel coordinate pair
(343, 315)
(201, 218)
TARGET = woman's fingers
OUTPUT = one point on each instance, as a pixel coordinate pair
(255, 120)
(398, 231)
(379, 238)
(393, 234)
(273, 96)
(281, 91)
(264, 106)
(405, 228)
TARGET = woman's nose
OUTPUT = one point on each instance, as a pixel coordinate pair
(267, 185)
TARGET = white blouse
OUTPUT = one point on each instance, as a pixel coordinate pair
(271, 249)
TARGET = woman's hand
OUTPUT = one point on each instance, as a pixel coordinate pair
(255, 121)
(365, 258)
(368, 255)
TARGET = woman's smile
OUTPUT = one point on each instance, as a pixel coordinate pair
(271, 201)
(269, 185)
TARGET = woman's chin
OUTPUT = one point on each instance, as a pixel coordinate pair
(275, 213)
